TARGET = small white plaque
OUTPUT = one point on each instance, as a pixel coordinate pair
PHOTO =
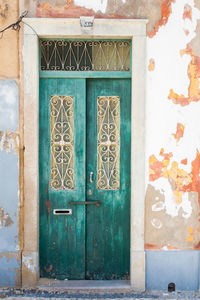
(87, 23)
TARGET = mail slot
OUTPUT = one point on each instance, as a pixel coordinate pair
(62, 211)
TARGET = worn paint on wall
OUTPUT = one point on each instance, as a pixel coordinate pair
(29, 263)
(5, 219)
(10, 269)
(9, 141)
(9, 97)
(9, 201)
(149, 9)
(29, 268)
(179, 132)
(75, 9)
(9, 43)
(151, 65)
(9, 169)
(172, 197)
(194, 81)
(165, 13)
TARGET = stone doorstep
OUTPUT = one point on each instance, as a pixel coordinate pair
(79, 285)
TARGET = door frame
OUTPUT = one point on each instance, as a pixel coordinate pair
(35, 28)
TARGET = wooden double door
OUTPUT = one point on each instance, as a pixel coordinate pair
(84, 179)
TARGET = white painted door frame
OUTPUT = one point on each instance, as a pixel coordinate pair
(70, 28)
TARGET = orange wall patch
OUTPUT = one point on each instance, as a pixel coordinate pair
(194, 86)
(194, 185)
(151, 66)
(172, 172)
(179, 132)
(187, 14)
(165, 13)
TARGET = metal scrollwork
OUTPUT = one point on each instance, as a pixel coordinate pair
(63, 55)
(108, 159)
(62, 151)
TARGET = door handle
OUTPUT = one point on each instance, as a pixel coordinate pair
(97, 203)
(91, 177)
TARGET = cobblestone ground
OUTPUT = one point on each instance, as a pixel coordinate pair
(27, 294)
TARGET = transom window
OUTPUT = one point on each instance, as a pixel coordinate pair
(85, 55)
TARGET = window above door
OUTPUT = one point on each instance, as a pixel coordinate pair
(85, 55)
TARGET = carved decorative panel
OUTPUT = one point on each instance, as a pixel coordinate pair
(108, 143)
(62, 150)
(63, 55)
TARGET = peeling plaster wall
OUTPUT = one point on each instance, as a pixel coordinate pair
(9, 43)
(10, 264)
(150, 9)
(10, 255)
(173, 137)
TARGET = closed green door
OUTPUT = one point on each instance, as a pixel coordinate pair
(85, 178)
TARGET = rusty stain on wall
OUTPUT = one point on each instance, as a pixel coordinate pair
(158, 168)
(194, 184)
(48, 269)
(48, 205)
(165, 13)
(5, 219)
(194, 77)
(177, 177)
(151, 66)
(179, 132)
(187, 14)
(9, 141)
(184, 161)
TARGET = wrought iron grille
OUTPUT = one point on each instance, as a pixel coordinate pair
(62, 150)
(63, 55)
(108, 123)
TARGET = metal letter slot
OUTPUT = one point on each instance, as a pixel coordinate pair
(62, 211)
(97, 203)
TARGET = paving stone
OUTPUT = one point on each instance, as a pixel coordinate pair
(31, 294)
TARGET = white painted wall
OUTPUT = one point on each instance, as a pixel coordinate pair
(96, 5)
(162, 115)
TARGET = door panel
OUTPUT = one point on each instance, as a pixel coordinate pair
(108, 226)
(62, 238)
(93, 242)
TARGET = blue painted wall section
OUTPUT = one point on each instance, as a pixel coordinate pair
(9, 101)
(180, 267)
(9, 270)
(9, 186)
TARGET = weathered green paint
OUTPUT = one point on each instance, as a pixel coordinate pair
(62, 239)
(92, 243)
(108, 226)
(84, 74)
